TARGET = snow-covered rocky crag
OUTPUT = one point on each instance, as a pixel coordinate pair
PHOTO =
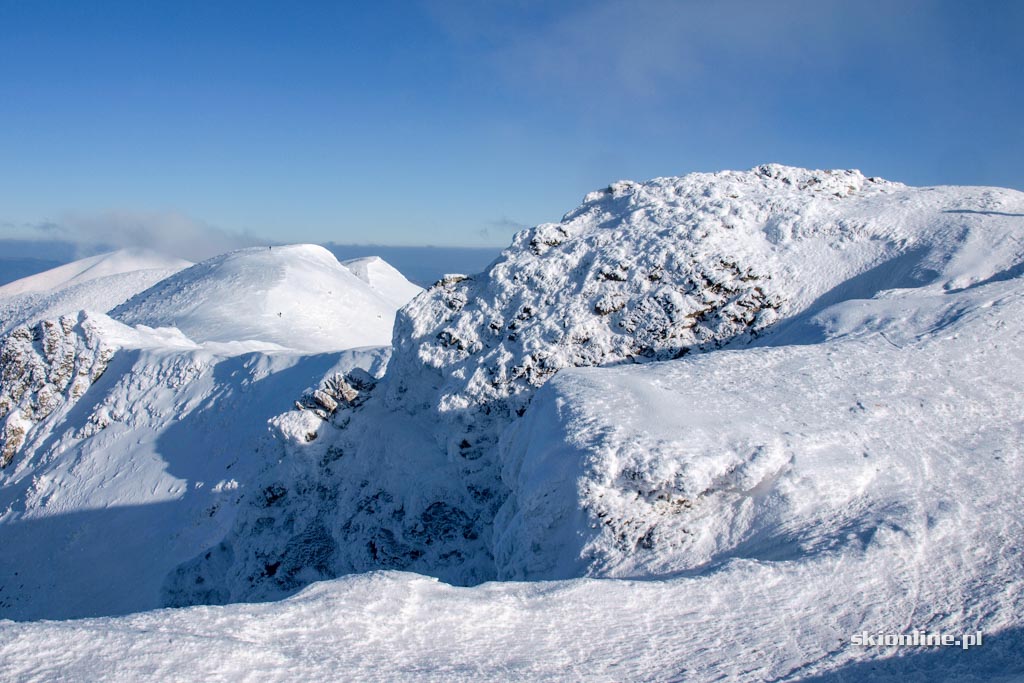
(128, 446)
(741, 416)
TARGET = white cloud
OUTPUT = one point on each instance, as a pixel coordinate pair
(164, 231)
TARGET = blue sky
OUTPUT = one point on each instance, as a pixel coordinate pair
(452, 123)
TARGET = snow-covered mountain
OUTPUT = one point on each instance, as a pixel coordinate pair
(97, 283)
(91, 268)
(297, 297)
(107, 428)
(767, 409)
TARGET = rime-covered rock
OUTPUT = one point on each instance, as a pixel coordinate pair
(43, 368)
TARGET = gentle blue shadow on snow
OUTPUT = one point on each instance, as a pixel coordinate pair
(902, 271)
(985, 213)
(113, 561)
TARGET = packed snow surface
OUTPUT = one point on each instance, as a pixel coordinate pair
(299, 297)
(710, 426)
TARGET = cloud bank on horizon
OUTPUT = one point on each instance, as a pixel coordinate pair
(167, 232)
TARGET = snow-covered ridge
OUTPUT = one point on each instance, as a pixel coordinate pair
(92, 268)
(329, 308)
(125, 448)
(650, 271)
(656, 270)
(98, 283)
(297, 296)
(854, 466)
(847, 456)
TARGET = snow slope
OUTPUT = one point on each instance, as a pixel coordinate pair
(297, 296)
(91, 268)
(383, 279)
(98, 283)
(15, 268)
(134, 448)
(751, 621)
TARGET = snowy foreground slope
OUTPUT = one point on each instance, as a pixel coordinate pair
(808, 423)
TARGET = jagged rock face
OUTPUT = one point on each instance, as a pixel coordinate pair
(44, 367)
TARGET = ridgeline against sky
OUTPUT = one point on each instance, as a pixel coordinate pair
(458, 123)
